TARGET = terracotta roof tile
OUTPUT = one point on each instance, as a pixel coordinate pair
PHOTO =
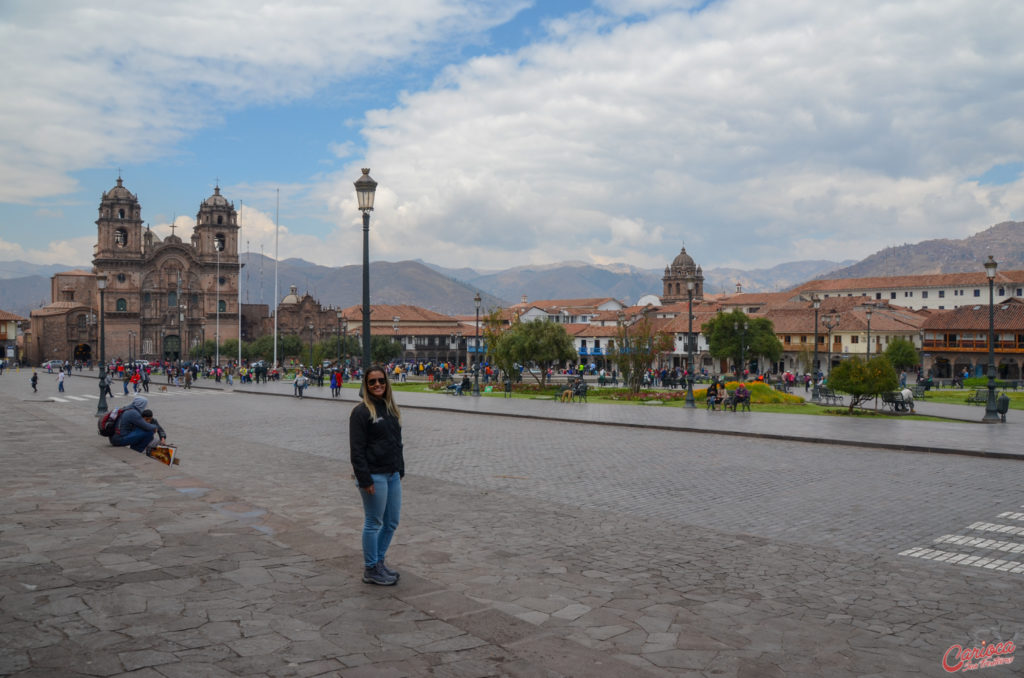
(1008, 316)
(904, 281)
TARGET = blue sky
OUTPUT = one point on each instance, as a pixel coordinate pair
(513, 132)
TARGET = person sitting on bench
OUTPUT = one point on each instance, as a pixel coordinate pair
(741, 397)
(464, 386)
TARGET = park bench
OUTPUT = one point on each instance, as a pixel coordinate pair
(979, 397)
(918, 390)
(781, 386)
(829, 396)
(732, 402)
(895, 402)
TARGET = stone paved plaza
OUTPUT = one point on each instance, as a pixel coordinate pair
(528, 546)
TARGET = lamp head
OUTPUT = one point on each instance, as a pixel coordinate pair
(816, 301)
(365, 189)
(477, 300)
(990, 267)
(101, 281)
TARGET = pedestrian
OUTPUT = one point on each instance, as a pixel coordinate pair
(133, 430)
(34, 381)
(107, 381)
(375, 442)
(908, 398)
(145, 380)
(60, 381)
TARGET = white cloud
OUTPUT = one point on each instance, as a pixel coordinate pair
(74, 252)
(86, 86)
(762, 132)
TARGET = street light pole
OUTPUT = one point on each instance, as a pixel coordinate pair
(867, 314)
(310, 328)
(991, 413)
(216, 350)
(830, 320)
(815, 394)
(339, 314)
(394, 326)
(743, 340)
(476, 366)
(365, 190)
(101, 407)
(690, 284)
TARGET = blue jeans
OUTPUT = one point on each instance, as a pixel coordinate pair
(138, 440)
(381, 510)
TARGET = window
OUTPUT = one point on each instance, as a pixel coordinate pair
(1002, 292)
(878, 295)
(788, 339)
(218, 242)
(907, 294)
(1019, 291)
(147, 298)
(194, 300)
(854, 339)
(803, 338)
(892, 295)
(942, 308)
(120, 214)
(942, 294)
(121, 237)
(122, 305)
(121, 277)
(222, 306)
(977, 293)
(597, 343)
(221, 280)
(81, 322)
(924, 294)
(172, 299)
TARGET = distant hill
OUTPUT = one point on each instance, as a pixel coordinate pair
(403, 282)
(1003, 241)
(451, 290)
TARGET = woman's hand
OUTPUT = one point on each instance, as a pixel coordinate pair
(368, 490)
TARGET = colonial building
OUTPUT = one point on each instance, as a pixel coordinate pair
(161, 297)
(957, 340)
(941, 291)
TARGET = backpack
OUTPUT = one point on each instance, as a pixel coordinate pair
(108, 423)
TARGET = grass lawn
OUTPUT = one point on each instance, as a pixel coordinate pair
(771, 401)
(959, 397)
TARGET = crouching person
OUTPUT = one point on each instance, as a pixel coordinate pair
(134, 431)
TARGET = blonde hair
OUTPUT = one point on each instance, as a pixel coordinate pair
(388, 399)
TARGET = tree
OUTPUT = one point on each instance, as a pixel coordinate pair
(724, 340)
(902, 354)
(538, 341)
(384, 349)
(863, 381)
(636, 347)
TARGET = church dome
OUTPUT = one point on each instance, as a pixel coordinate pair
(216, 200)
(292, 297)
(118, 192)
(683, 260)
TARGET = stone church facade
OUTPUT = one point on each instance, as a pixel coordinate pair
(162, 296)
(674, 281)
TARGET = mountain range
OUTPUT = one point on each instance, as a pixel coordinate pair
(451, 290)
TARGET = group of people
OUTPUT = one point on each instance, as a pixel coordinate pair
(718, 396)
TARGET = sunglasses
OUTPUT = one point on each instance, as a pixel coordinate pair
(374, 382)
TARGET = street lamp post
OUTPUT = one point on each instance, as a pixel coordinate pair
(365, 190)
(476, 365)
(339, 313)
(867, 314)
(815, 394)
(830, 320)
(743, 339)
(101, 408)
(217, 245)
(991, 413)
(690, 284)
(310, 328)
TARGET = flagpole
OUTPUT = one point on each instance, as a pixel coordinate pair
(238, 365)
(277, 229)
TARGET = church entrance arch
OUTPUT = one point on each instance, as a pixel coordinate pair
(83, 353)
(172, 347)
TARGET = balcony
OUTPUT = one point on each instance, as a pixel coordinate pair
(973, 345)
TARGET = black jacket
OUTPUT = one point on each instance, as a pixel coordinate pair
(375, 446)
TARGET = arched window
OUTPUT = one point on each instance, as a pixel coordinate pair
(121, 237)
(120, 213)
(222, 306)
(147, 298)
(218, 241)
(220, 219)
(195, 300)
(122, 305)
(81, 322)
(172, 299)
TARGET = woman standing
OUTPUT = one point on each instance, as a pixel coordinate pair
(375, 441)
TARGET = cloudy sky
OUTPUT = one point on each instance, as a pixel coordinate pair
(511, 132)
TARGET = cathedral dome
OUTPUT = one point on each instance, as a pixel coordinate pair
(216, 200)
(118, 192)
(683, 260)
(292, 297)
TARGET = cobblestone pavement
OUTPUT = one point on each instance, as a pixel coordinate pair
(528, 548)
